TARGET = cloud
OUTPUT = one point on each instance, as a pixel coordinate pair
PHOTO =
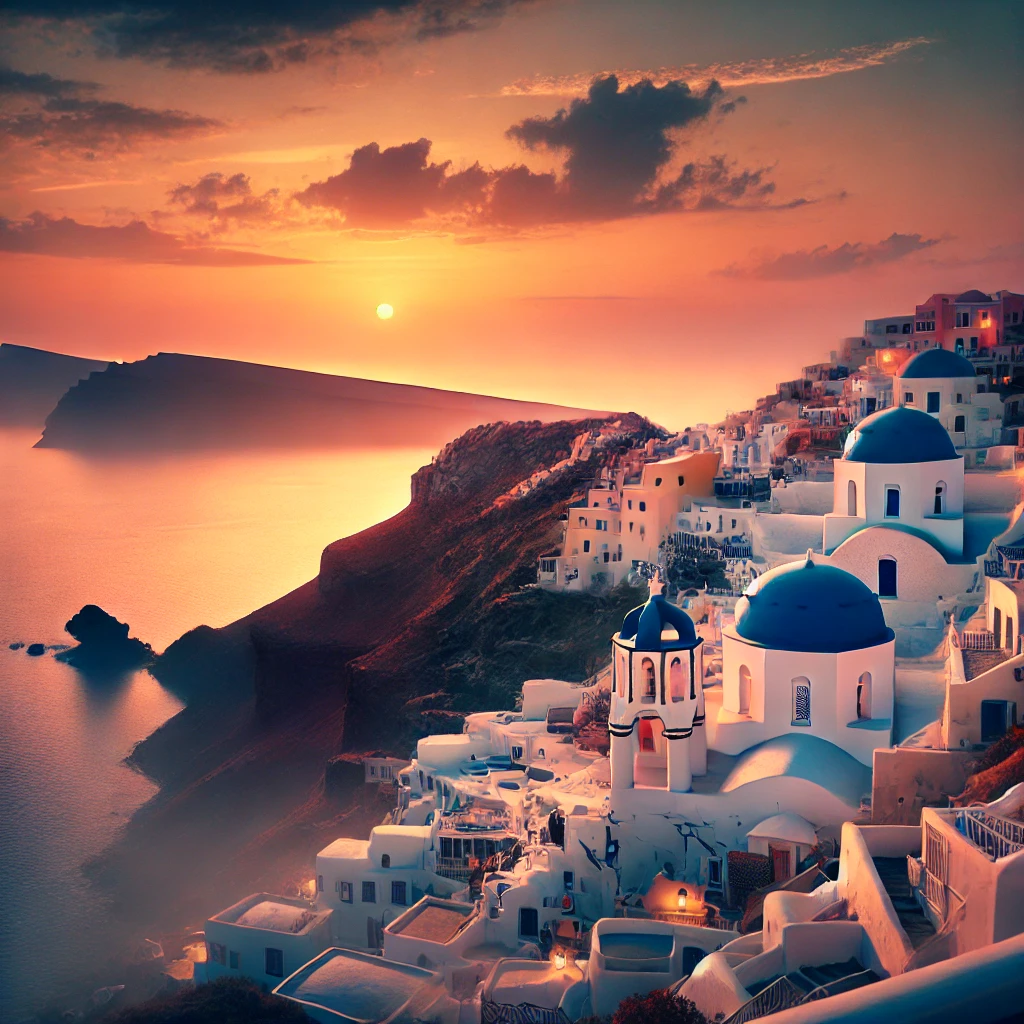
(618, 148)
(134, 242)
(824, 262)
(237, 36)
(62, 115)
(757, 71)
(224, 199)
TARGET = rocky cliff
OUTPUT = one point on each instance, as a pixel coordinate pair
(33, 380)
(408, 626)
(171, 401)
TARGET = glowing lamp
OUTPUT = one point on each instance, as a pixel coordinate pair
(559, 960)
(681, 901)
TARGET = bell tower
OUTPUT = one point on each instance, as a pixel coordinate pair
(656, 721)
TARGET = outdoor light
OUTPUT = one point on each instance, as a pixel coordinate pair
(682, 899)
(559, 960)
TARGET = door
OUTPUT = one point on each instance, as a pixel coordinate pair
(780, 863)
(997, 718)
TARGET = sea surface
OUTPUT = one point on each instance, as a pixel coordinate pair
(164, 543)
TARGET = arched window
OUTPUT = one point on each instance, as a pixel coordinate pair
(677, 680)
(851, 498)
(887, 577)
(385, 860)
(649, 681)
(801, 701)
(940, 498)
(744, 690)
(864, 696)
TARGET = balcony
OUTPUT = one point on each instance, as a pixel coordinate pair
(994, 835)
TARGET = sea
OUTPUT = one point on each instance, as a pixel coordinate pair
(164, 542)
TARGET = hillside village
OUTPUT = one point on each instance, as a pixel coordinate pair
(766, 801)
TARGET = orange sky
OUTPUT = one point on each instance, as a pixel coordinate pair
(880, 120)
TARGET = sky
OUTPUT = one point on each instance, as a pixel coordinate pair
(664, 207)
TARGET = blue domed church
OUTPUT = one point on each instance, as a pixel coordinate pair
(897, 520)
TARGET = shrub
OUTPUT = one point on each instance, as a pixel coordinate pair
(225, 1001)
(658, 1007)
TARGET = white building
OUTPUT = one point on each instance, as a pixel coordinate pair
(944, 385)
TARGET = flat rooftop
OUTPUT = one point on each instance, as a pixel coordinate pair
(433, 920)
(272, 913)
(356, 987)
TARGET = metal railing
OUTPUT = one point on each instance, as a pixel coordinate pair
(993, 834)
(780, 995)
(978, 640)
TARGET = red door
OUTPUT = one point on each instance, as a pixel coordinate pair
(780, 863)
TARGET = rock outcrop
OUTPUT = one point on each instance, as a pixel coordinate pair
(103, 642)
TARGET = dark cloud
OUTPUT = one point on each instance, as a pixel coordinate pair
(134, 242)
(617, 146)
(824, 262)
(224, 199)
(245, 37)
(396, 187)
(62, 115)
(39, 84)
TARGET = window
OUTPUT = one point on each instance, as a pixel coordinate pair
(369, 892)
(601, 524)
(344, 891)
(657, 481)
(630, 527)
(682, 480)
(586, 546)
(643, 506)
(548, 565)
(430, 782)
(385, 860)
(1008, 641)
(744, 704)
(907, 327)
(517, 753)
(677, 680)
(892, 502)
(398, 894)
(528, 923)
(801, 701)
(734, 524)
(568, 880)
(974, 343)
(719, 524)
(714, 872)
(629, 504)
(959, 398)
(887, 577)
(233, 959)
(607, 556)
(939, 506)
(274, 963)
(864, 696)
(934, 401)
(959, 424)
(583, 521)
(216, 953)
(908, 397)
(851, 498)
(650, 682)
(892, 328)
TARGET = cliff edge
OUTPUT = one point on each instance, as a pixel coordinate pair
(32, 380)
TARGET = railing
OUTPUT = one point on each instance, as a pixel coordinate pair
(780, 995)
(738, 550)
(978, 640)
(993, 834)
(936, 894)
(1012, 554)
(844, 984)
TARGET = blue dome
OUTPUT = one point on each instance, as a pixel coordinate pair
(644, 626)
(937, 362)
(899, 435)
(804, 606)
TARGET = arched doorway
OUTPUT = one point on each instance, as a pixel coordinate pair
(650, 767)
(851, 498)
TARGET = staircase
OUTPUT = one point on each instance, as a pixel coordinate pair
(893, 873)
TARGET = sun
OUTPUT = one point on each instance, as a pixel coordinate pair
(385, 311)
